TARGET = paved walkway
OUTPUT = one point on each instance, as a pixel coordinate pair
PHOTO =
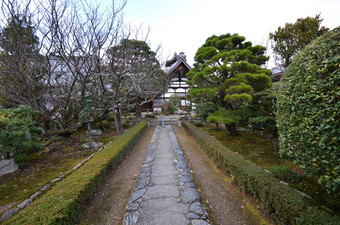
(165, 192)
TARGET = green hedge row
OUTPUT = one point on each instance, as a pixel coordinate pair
(64, 202)
(281, 202)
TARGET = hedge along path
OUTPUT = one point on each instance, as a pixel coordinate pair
(63, 204)
(282, 203)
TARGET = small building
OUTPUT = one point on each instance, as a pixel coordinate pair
(176, 68)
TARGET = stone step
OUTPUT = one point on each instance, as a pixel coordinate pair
(166, 122)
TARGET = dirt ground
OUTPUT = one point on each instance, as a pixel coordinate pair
(109, 202)
(224, 202)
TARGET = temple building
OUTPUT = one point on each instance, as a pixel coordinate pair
(176, 68)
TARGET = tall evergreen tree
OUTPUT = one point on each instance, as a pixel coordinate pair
(227, 72)
(133, 76)
(20, 62)
(287, 41)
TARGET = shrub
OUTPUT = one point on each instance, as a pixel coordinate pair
(281, 202)
(104, 125)
(175, 100)
(286, 174)
(173, 109)
(126, 125)
(198, 124)
(63, 203)
(308, 110)
(84, 140)
(19, 132)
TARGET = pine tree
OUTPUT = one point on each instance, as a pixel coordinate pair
(228, 72)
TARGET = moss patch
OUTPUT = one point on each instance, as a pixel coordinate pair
(63, 203)
(261, 151)
(253, 147)
(24, 185)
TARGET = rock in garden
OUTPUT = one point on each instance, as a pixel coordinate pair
(142, 183)
(136, 195)
(132, 207)
(9, 213)
(35, 194)
(131, 218)
(25, 203)
(7, 166)
(95, 132)
(95, 145)
(199, 222)
(192, 216)
(190, 195)
(197, 208)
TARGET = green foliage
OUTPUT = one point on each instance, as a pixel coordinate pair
(198, 124)
(227, 73)
(239, 89)
(150, 116)
(308, 110)
(267, 123)
(134, 72)
(238, 98)
(203, 110)
(224, 116)
(19, 32)
(174, 103)
(84, 140)
(315, 216)
(282, 203)
(64, 203)
(286, 174)
(19, 132)
(287, 41)
(173, 109)
(175, 100)
(21, 70)
(126, 125)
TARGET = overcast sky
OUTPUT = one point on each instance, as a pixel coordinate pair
(184, 25)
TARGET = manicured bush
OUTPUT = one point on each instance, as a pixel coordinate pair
(64, 202)
(308, 110)
(286, 174)
(282, 203)
(19, 132)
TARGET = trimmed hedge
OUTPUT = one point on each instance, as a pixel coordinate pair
(282, 203)
(308, 104)
(64, 202)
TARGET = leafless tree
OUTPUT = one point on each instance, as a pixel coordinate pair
(75, 62)
(74, 36)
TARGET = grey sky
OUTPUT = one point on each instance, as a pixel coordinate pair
(184, 25)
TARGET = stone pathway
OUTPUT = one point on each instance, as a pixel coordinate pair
(165, 192)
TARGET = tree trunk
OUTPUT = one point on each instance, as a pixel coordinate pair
(119, 120)
(102, 125)
(89, 135)
(232, 129)
(119, 132)
(138, 111)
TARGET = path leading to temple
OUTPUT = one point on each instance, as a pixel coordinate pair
(165, 192)
(156, 185)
